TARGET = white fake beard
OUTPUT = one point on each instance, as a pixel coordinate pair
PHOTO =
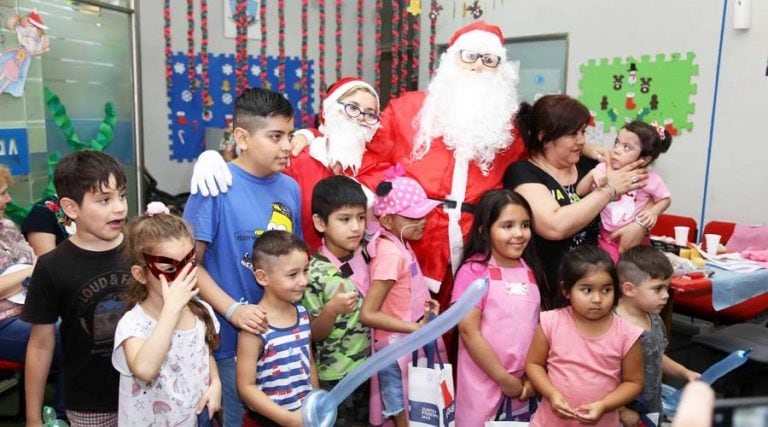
(472, 111)
(346, 139)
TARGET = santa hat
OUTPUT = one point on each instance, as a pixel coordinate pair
(343, 86)
(35, 20)
(479, 37)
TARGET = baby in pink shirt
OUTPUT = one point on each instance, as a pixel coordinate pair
(636, 140)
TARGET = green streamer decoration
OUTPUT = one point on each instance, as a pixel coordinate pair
(104, 137)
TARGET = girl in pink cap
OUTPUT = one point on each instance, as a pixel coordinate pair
(398, 301)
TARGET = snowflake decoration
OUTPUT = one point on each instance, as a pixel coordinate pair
(179, 68)
(199, 68)
(226, 69)
(276, 72)
(226, 98)
(186, 96)
(298, 72)
(255, 70)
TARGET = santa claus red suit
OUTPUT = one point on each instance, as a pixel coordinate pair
(456, 139)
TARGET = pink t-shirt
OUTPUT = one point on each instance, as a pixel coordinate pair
(389, 264)
(584, 369)
(623, 211)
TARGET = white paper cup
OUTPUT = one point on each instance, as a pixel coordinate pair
(713, 242)
(681, 235)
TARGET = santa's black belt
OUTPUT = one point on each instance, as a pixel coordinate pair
(451, 204)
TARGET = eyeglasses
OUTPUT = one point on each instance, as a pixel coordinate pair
(353, 111)
(175, 266)
(488, 59)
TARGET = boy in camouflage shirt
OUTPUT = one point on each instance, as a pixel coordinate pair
(338, 280)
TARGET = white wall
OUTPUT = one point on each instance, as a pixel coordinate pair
(596, 29)
(620, 28)
(173, 176)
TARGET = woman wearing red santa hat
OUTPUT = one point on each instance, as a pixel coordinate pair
(350, 118)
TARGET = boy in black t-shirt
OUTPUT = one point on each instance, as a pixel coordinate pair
(81, 282)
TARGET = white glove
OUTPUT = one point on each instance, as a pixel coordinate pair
(210, 175)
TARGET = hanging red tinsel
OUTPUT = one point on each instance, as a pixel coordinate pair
(395, 49)
(339, 46)
(191, 42)
(415, 50)
(304, 64)
(263, 51)
(168, 51)
(321, 47)
(377, 36)
(204, 75)
(241, 45)
(434, 11)
(281, 45)
(405, 67)
(360, 38)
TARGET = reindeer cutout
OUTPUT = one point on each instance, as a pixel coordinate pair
(618, 81)
(645, 84)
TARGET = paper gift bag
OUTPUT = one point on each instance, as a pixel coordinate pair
(430, 391)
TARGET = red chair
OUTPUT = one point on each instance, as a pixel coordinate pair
(694, 297)
(666, 223)
(17, 370)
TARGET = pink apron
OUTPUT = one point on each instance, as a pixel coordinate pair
(419, 295)
(359, 267)
(508, 322)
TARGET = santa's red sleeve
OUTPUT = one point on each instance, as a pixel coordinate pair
(394, 140)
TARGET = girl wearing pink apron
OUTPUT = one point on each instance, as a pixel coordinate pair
(509, 315)
(499, 331)
(398, 297)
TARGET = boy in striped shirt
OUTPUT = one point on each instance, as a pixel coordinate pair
(275, 369)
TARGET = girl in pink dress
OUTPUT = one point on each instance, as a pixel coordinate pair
(491, 359)
(584, 360)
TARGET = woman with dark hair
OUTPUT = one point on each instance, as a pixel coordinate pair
(553, 132)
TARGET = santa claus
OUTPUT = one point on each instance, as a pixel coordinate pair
(456, 138)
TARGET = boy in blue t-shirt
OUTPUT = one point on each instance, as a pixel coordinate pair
(226, 226)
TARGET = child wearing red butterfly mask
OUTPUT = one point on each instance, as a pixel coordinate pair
(164, 342)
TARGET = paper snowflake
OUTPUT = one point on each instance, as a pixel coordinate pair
(226, 98)
(276, 72)
(179, 68)
(255, 70)
(199, 68)
(226, 69)
(186, 96)
(298, 72)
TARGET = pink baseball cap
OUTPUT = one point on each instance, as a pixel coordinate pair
(402, 196)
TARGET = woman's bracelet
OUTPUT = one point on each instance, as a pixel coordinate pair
(608, 188)
(640, 223)
(231, 310)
